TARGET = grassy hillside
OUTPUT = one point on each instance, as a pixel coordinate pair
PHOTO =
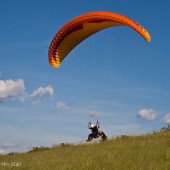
(147, 152)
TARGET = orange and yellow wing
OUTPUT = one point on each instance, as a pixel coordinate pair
(81, 27)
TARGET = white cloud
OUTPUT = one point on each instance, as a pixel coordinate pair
(10, 145)
(94, 113)
(166, 118)
(147, 114)
(41, 94)
(62, 106)
(16, 89)
(10, 88)
(2, 152)
(43, 91)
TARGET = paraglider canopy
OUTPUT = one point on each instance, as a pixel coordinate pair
(83, 26)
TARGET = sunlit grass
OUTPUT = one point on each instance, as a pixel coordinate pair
(147, 152)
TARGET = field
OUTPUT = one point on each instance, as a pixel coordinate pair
(146, 152)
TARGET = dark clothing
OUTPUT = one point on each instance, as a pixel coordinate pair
(94, 129)
(94, 133)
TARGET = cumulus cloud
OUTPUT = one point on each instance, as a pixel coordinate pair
(166, 118)
(10, 88)
(15, 89)
(41, 94)
(147, 114)
(43, 91)
(94, 113)
(62, 106)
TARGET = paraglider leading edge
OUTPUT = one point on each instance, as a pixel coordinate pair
(78, 29)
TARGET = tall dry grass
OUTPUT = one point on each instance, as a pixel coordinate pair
(147, 152)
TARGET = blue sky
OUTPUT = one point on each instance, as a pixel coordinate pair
(114, 76)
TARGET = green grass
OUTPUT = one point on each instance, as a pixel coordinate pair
(147, 152)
